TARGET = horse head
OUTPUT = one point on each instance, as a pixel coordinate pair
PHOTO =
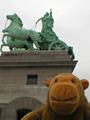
(15, 18)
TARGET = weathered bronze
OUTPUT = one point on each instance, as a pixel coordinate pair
(20, 39)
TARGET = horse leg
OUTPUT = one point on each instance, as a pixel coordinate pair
(38, 47)
(2, 47)
(10, 48)
(4, 35)
(29, 46)
(5, 30)
(15, 49)
(3, 38)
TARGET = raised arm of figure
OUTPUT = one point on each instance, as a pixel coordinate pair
(39, 20)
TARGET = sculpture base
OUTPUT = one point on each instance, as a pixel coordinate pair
(44, 64)
(23, 75)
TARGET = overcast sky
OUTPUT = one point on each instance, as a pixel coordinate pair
(71, 24)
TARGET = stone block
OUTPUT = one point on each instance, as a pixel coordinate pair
(15, 67)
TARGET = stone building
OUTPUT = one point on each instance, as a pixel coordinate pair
(22, 79)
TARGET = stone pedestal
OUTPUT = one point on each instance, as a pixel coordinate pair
(16, 68)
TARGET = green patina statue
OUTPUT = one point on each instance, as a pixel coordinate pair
(15, 31)
(47, 25)
(20, 39)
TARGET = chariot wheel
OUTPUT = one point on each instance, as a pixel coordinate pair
(58, 45)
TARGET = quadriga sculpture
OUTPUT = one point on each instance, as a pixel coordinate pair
(17, 37)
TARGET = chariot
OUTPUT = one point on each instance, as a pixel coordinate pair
(52, 45)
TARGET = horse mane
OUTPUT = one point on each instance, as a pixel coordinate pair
(19, 19)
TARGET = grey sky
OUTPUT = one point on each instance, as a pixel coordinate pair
(71, 24)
